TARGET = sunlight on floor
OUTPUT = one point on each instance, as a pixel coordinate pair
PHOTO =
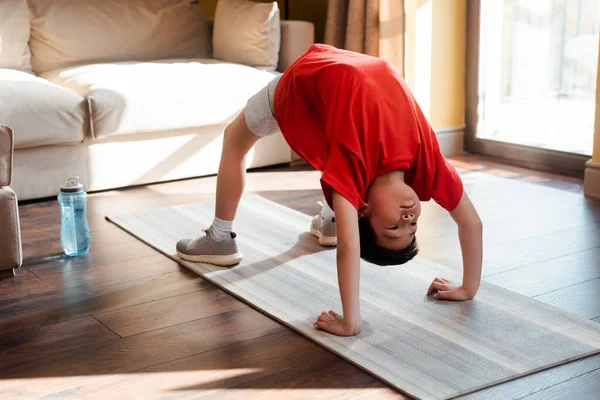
(256, 181)
(173, 384)
(134, 384)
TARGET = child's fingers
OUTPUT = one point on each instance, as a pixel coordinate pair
(431, 287)
(436, 286)
(322, 325)
(335, 315)
(327, 315)
(323, 318)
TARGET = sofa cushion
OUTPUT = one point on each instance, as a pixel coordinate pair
(14, 35)
(256, 38)
(128, 98)
(40, 112)
(72, 32)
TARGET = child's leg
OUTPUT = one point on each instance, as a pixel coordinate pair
(231, 178)
(255, 121)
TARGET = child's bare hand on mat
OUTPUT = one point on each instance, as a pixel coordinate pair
(334, 323)
(443, 289)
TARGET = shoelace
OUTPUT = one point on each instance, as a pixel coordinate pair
(201, 239)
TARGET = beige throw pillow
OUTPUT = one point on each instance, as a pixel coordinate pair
(14, 35)
(65, 33)
(247, 32)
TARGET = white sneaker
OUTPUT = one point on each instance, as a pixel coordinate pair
(325, 230)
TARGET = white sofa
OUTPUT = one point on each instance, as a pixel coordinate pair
(123, 96)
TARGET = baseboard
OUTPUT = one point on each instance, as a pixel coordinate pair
(591, 185)
(451, 140)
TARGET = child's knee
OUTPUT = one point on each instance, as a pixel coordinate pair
(237, 137)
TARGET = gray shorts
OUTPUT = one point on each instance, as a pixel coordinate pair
(259, 112)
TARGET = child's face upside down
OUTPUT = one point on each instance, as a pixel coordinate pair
(393, 209)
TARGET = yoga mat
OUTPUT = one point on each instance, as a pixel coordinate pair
(425, 348)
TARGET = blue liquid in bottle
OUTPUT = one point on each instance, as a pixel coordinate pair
(74, 229)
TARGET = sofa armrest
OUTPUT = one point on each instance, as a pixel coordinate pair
(11, 251)
(6, 155)
(296, 38)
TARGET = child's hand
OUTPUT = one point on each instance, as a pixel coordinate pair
(334, 323)
(443, 289)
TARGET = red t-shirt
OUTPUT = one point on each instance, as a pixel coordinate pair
(353, 117)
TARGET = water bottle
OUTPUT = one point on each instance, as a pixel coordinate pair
(74, 229)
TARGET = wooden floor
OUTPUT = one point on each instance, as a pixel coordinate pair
(61, 334)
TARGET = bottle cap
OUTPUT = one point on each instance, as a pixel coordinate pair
(72, 185)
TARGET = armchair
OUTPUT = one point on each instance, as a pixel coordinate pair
(11, 255)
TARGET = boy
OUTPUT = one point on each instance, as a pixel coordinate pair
(352, 117)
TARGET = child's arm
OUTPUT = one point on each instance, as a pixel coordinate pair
(470, 231)
(348, 268)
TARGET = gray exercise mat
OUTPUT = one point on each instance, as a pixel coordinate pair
(425, 348)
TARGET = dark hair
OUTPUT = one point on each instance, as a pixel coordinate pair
(372, 252)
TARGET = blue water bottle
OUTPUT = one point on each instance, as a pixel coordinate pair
(74, 229)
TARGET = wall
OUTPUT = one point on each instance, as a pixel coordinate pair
(435, 58)
(435, 46)
(592, 172)
(596, 151)
(448, 63)
(314, 11)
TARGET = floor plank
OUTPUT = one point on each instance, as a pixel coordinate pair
(244, 368)
(97, 256)
(535, 250)
(23, 279)
(84, 279)
(33, 248)
(584, 387)
(37, 342)
(528, 385)
(300, 384)
(152, 348)
(128, 321)
(48, 307)
(536, 279)
(512, 230)
(44, 217)
(540, 178)
(581, 299)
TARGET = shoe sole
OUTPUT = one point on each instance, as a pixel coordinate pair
(222, 261)
(325, 241)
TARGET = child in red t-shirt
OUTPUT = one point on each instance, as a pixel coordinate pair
(352, 117)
